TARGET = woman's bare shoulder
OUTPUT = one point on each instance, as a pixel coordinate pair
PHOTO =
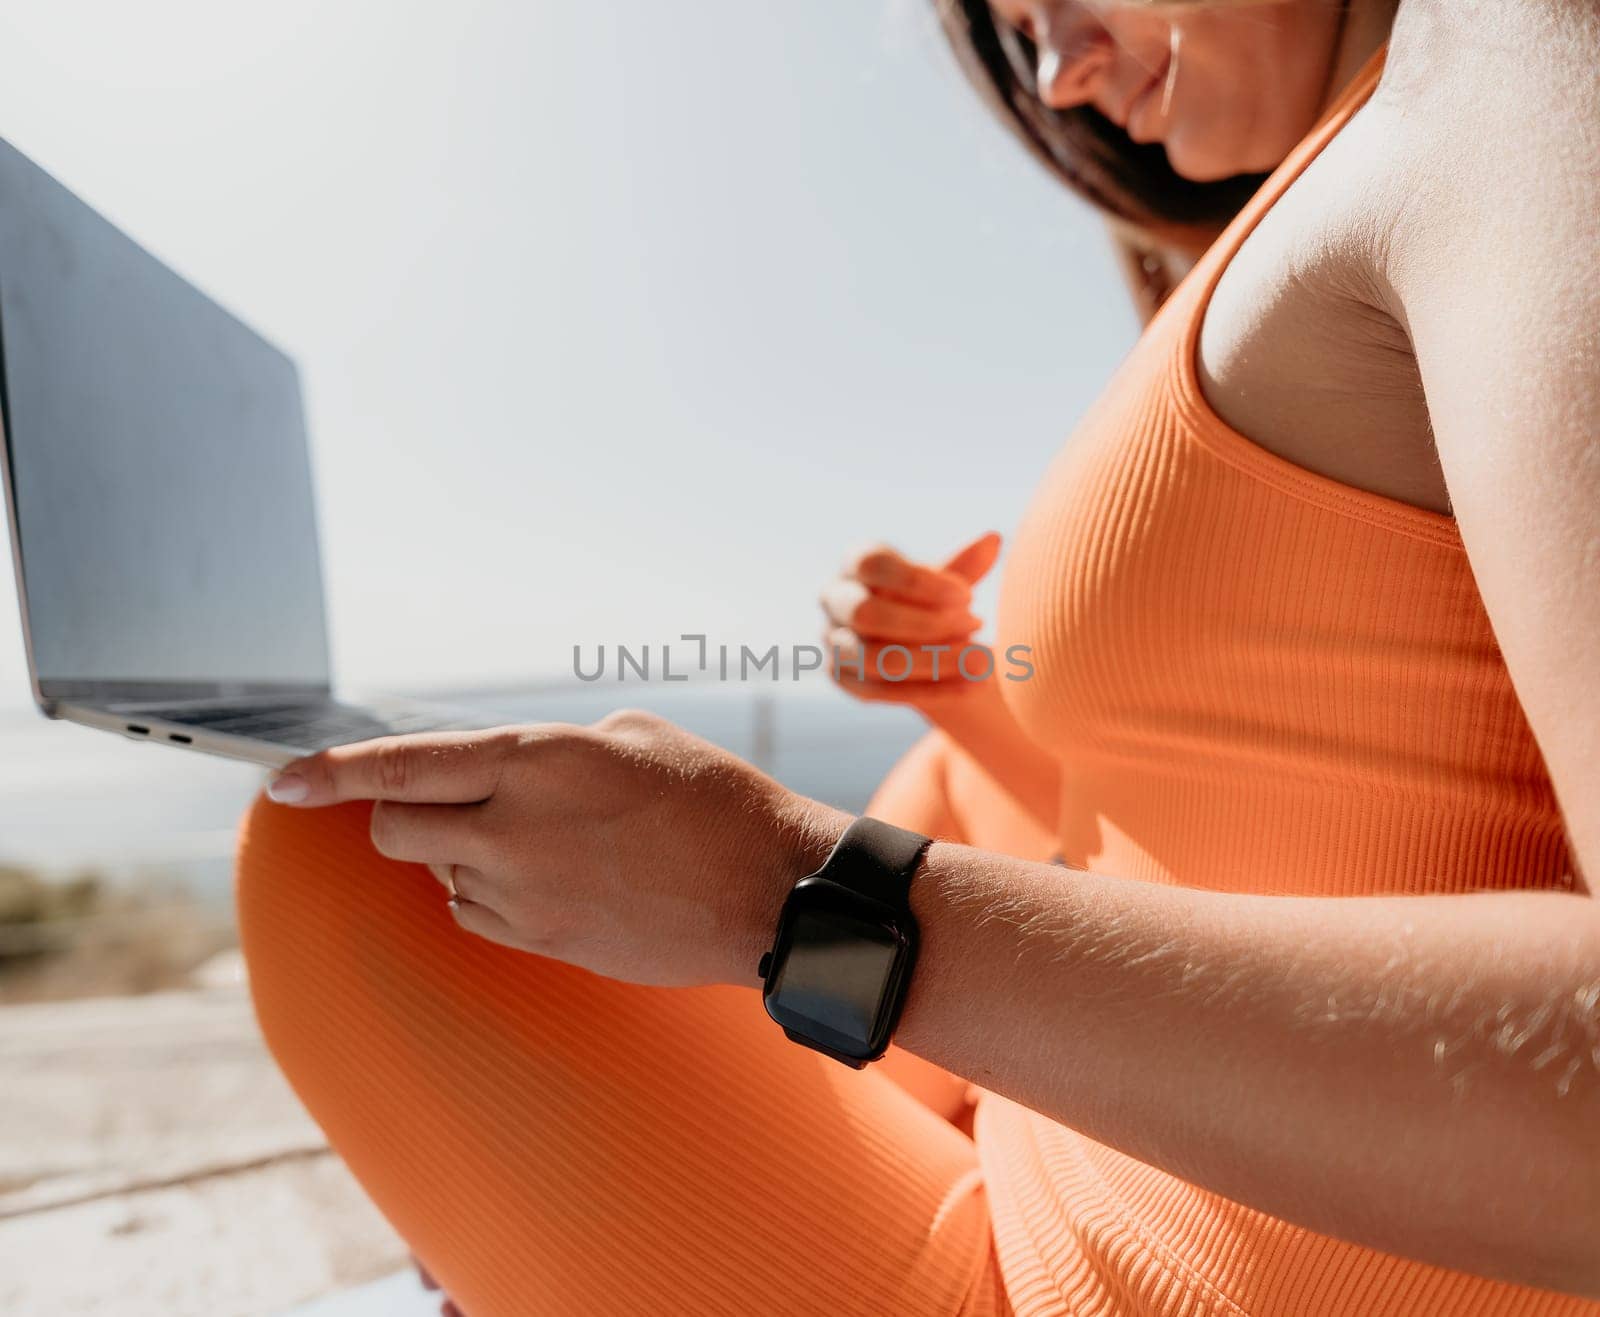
(1489, 115)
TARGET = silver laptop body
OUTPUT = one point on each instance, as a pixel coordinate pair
(158, 488)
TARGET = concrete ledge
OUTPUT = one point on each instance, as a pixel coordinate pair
(152, 1161)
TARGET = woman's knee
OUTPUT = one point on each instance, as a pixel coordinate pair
(914, 793)
(301, 878)
(285, 856)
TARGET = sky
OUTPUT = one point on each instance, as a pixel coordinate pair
(618, 319)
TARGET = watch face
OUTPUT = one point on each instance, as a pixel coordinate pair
(833, 978)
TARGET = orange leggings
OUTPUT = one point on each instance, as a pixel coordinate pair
(550, 1141)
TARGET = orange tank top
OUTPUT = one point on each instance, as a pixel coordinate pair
(1255, 679)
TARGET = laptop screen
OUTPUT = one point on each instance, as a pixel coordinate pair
(159, 468)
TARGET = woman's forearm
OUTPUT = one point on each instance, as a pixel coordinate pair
(1418, 1074)
(978, 721)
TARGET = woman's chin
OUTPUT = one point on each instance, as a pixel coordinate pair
(1193, 161)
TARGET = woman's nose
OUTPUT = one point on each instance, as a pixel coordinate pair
(1074, 54)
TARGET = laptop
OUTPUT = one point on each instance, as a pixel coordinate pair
(158, 487)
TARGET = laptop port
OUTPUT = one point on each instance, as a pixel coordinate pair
(180, 738)
(138, 730)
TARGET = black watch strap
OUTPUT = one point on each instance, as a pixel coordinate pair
(876, 859)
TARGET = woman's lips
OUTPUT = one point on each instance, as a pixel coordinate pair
(1142, 119)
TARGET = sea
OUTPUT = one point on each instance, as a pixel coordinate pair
(75, 801)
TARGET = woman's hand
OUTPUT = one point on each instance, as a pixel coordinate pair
(630, 848)
(881, 600)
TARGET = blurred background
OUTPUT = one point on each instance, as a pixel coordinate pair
(618, 320)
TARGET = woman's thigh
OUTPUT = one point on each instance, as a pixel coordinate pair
(550, 1141)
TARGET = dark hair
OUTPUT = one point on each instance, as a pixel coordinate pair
(1132, 183)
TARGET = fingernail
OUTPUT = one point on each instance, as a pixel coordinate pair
(454, 903)
(288, 789)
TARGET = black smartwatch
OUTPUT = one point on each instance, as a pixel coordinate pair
(838, 971)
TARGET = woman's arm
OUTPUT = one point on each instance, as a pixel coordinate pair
(1414, 1073)
(1418, 1074)
(1487, 257)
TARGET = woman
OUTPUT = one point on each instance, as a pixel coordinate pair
(1253, 1047)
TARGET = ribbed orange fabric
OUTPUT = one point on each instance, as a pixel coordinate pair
(1256, 679)
(550, 1142)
